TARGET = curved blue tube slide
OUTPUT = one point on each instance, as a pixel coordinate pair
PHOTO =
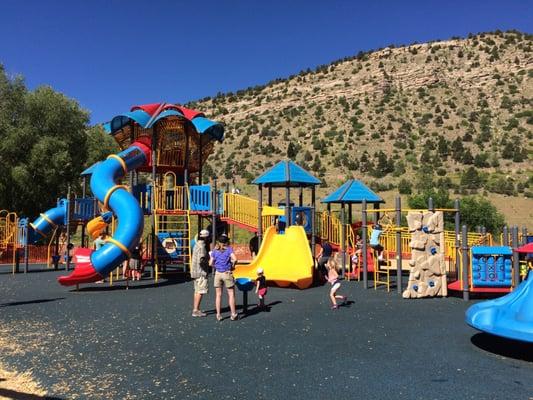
(49, 220)
(93, 266)
(510, 316)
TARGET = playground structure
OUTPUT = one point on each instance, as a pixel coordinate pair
(510, 316)
(170, 144)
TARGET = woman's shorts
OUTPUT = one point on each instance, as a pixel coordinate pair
(201, 285)
(262, 292)
(224, 279)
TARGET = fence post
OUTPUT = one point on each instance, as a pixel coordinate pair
(466, 264)
(431, 207)
(398, 245)
(524, 235)
(365, 247)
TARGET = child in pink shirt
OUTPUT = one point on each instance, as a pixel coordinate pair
(333, 279)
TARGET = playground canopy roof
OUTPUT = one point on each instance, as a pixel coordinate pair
(286, 173)
(527, 248)
(147, 115)
(352, 192)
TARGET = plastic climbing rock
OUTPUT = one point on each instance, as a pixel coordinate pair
(428, 269)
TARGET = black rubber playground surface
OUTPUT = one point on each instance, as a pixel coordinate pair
(141, 343)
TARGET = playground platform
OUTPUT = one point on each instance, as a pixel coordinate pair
(141, 343)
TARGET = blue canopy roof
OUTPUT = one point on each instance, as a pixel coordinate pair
(353, 191)
(286, 173)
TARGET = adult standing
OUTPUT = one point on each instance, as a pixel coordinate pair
(223, 259)
(200, 272)
(253, 245)
(323, 257)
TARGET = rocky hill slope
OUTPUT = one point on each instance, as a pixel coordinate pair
(455, 113)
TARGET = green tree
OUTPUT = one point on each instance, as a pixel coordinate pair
(405, 187)
(471, 179)
(478, 211)
(292, 151)
(99, 145)
(43, 143)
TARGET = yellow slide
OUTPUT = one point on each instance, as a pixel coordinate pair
(285, 259)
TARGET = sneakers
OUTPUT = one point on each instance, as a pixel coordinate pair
(234, 317)
(219, 317)
(335, 307)
(198, 313)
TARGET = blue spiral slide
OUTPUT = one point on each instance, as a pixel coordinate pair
(90, 265)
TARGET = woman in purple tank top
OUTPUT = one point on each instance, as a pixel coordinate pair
(223, 260)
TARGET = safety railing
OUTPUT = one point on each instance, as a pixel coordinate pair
(171, 199)
(244, 210)
(85, 208)
(8, 227)
(510, 238)
(200, 197)
(329, 228)
(143, 193)
(241, 209)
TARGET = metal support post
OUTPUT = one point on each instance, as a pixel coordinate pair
(398, 245)
(466, 264)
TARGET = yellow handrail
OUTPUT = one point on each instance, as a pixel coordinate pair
(49, 249)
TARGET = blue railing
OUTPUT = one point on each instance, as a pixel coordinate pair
(84, 208)
(200, 197)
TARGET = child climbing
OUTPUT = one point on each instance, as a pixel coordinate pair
(333, 278)
(374, 240)
(261, 287)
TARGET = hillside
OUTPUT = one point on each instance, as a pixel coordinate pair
(455, 113)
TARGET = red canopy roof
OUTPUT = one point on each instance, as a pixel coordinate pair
(527, 248)
(152, 108)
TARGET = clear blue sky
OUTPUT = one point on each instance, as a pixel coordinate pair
(111, 54)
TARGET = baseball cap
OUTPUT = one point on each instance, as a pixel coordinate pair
(259, 270)
(204, 233)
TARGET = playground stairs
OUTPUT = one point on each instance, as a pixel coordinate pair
(173, 235)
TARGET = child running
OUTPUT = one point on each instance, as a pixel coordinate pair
(333, 278)
(261, 287)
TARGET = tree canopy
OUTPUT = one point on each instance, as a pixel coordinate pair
(475, 211)
(45, 143)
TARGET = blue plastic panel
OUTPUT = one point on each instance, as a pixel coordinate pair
(200, 197)
(491, 270)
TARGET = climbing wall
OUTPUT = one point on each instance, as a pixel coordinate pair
(428, 268)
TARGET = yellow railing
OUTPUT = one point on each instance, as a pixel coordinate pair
(510, 238)
(8, 227)
(9, 234)
(244, 210)
(171, 199)
(329, 228)
(241, 209)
